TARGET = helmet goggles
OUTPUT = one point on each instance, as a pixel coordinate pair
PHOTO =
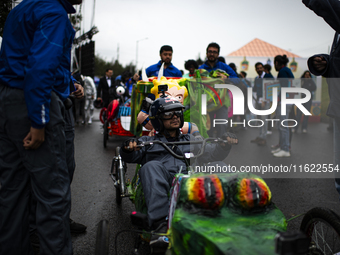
(170, 114)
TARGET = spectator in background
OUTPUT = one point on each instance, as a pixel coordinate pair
(261, 103)
(125, 80)
(244, 80)
(267, 68)
(169, 69)
(190, 65)
(233, 66)
(247, 84)
(78, 104)
(243, 86)
(211, 64)
(284, 74)
(306, 83)
(103, 91)
(118, 79)
(90, 96)
(221, 59)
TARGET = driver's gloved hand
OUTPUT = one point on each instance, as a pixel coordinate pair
(227, 134)
(231, 138)
(126, 144)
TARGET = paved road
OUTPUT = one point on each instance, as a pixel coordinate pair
(93, 195)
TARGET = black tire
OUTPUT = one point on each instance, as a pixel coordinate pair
(106, 133)
(102, 238)
(322, 226)
(117, 176)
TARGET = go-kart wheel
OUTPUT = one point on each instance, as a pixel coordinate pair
(322, 226)
(102, 238)
(117, 176)
(106, 133)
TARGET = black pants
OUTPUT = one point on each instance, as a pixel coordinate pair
(42, 171)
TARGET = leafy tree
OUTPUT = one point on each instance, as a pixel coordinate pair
(101, 65)
(199, 60)
(5, 8)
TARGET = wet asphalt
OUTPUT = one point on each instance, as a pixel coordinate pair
(294, 193)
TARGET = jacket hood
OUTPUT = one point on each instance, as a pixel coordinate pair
(67, 6)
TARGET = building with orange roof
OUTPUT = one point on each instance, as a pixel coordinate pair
(264, 52)
(257, 50)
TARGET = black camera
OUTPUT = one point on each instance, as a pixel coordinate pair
(162, 89)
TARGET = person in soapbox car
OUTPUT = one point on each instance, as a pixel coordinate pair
(159, 166)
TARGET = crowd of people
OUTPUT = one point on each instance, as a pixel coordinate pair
(37, 126)
(107, 92)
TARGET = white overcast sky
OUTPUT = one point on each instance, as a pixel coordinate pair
(189, 26)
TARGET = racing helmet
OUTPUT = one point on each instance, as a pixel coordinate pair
(161, 105)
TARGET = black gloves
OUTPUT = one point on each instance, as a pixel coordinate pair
(227, 134)
(127, 142)
(233, 140)
(146, 103)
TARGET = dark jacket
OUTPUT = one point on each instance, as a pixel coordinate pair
(330, 11)
(284, 75)
(309, 84)
(106, 93)
(213, 152)
(35, 54)
(258, 85)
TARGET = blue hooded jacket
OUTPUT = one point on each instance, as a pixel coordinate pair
(35, 54)
(222, 66)
(170, 71)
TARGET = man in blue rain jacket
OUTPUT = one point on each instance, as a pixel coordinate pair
(34, 82)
